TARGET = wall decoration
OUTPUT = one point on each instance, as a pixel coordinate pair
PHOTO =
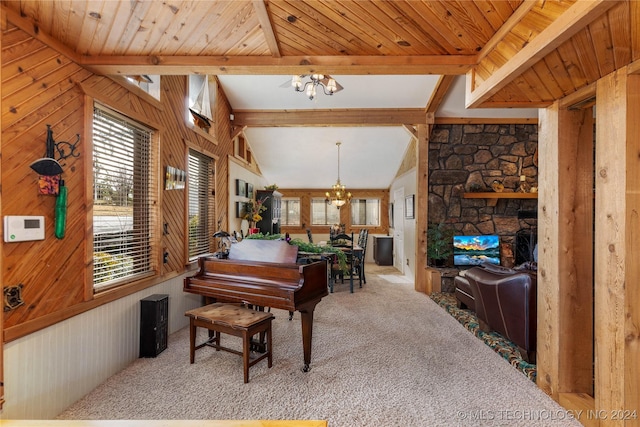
(13, 297)
(250, 190)
(241, 188)
(175, 179)
(408, 206)
(240, 211)
(49, 184)
(390, 215)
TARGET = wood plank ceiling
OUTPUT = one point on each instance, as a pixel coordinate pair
(557, 46)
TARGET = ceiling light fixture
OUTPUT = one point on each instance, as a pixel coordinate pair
(327, 83)
(338, 196)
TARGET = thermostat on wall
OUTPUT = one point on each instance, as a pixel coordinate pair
(20, 228)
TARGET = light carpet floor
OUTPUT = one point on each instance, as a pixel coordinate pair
(395, 278)
(382, 356)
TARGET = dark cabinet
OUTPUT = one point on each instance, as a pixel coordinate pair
(154, 324)
(383, 250)
(270, 222)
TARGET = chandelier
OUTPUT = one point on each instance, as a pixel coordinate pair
(310, 88)
(338, 195)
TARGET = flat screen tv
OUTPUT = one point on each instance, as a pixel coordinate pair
(475, 250)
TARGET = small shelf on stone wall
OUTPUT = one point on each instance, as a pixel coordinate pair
(492, 197)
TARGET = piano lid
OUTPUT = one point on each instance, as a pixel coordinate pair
(278, 251)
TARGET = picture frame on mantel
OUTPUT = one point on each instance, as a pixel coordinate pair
(409, 207)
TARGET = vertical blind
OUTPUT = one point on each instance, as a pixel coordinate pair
(201, 203)
(122, 232)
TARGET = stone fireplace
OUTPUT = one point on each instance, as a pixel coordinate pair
(470, 158)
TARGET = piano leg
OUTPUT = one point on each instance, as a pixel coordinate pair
(306, 315)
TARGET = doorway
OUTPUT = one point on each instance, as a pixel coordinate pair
(398, 229)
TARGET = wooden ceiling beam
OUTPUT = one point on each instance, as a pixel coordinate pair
(346, 65)
(579, 15)
(506, 28)
(440, 91)
(486, 120)
(267, 28)
(338, 117)
(34, 31)
(411, 130)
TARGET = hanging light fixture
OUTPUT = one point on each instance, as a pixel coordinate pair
(327, 83)
(338, 196)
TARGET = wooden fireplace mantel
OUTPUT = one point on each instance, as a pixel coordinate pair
(492, 197)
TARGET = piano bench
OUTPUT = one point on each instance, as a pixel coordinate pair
(234, 320)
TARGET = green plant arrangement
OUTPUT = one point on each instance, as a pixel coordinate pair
(317, 249)
(272, 187)
(253, 210)
(260, 236)
(439, 243)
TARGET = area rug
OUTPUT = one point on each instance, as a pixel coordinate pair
(497, 342)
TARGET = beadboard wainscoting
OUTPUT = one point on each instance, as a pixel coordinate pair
(54, 367)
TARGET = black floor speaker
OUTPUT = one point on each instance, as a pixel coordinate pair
(154, 324)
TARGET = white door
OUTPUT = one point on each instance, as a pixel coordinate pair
(398, 230)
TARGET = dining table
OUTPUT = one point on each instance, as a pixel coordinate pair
(358, 253)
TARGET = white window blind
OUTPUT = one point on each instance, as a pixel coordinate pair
(365, 212)
(323, 213)
(122, 232)
(201, 203)
(291, 211)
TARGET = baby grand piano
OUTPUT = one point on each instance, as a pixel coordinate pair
(264, 273)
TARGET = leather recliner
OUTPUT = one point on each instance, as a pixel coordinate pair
(505, 301)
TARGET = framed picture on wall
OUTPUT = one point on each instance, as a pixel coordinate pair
(241, 188)
(239, 209)
(408, 206)
(250, 190)
(390, 215)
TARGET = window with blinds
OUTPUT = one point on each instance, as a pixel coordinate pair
(122, 199)
(365, 212)
(290, 211)
(323, 213)
(201, 203)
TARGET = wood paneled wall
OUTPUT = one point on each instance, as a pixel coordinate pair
(2, 28)
(40, 86)
(588, 319)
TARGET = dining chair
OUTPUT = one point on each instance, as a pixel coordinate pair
(345, 243)
(360, 261)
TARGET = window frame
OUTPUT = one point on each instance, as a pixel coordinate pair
(194, 85)
(151, 205)
(210, 204)
(355, 201)
(284, 212)
(151, 88)
(326, 207)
